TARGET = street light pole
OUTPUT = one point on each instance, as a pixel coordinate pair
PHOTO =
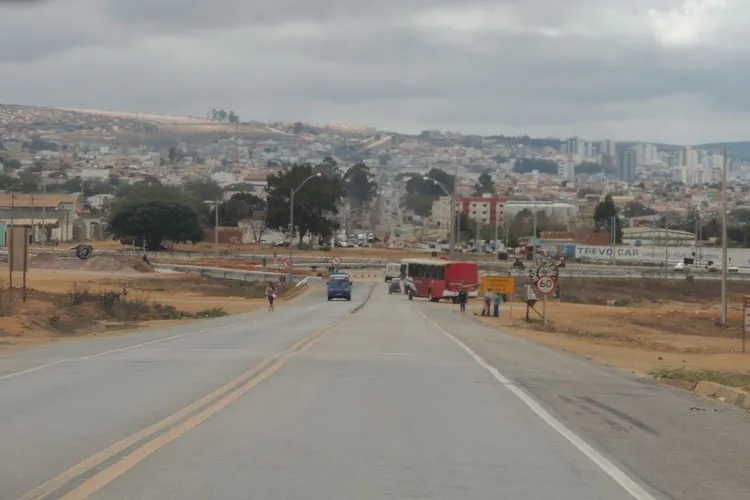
(724, 208)
(454, 213)
(291, 224)
(216, 226)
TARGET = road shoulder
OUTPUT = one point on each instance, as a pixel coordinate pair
(674, 441)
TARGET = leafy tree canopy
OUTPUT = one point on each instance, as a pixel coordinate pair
(314, 203)
(528, 165)
(156, 220)
(204, 189)
(607, 219)
(484, 184)
(360, 188)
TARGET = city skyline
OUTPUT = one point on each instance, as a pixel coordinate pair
(658, 71)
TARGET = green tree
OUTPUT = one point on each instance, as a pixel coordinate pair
(315, 204)
(484, 184)
(255, 203)
(28, 182)
(232, 212)
(417, 184)
(204, 189)
(156, 221)
(607, 219)
(528, 165)
(360, 188)
(11, 164)
(420, 203)
(241, 187)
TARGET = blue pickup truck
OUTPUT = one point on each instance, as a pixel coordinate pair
(339, 287)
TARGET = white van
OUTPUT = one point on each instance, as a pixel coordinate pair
(392, 270)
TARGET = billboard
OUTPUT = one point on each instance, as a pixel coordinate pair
(640, 254)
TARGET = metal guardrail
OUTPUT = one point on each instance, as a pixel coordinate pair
(229, 274)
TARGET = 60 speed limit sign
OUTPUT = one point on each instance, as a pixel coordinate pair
(546, 284)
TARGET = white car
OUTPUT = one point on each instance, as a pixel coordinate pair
(680, 266)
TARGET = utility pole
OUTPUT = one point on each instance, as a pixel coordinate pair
(724, 208)
(216, 226)
(455, 217)
(533, 241)
(291, 223)
(666, 244)
(44, 214)
(613, 237)
(494, 211)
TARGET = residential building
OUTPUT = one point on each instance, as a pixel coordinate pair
(441, 212)
(650, 236)
(51, 217)
(486, 209)
(551, 209)
(627, 163)
(574, 145)
(566, 169)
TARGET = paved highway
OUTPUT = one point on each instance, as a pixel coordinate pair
(384, 398)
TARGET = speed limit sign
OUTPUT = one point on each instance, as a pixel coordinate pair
(336, 260)
(546, 284)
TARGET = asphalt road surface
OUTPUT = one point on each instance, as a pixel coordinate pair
(369, 399)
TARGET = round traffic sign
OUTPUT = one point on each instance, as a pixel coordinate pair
(546, 284)
(336, 260)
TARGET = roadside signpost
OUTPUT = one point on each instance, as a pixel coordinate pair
(335, 261)
(287, 263)
(545, 284)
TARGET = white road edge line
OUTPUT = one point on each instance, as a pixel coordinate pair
(112, 351)
(620, 477)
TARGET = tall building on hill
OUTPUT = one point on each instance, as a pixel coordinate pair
(608, 150)
(626, 164)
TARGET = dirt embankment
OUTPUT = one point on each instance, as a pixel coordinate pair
(62, 304)
(97, 263)
(647, 326)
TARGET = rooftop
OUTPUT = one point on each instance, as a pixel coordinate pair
(19, 200)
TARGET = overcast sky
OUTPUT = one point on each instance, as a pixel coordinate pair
(652, 70)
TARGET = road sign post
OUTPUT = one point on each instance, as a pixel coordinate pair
(335, 262)
(545, 284)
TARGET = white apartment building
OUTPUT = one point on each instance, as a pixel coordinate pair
(441, 212)
(689, 157)
(608, 148)
(647, 154)
(566, 169)
(551, 209)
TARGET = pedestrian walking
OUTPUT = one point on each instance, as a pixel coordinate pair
(496, 305)
(486, 307)
(271, 294)
(463, 298)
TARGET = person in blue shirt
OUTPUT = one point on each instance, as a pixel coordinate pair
(496, 303)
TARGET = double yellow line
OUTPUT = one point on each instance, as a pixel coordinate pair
(86, 478)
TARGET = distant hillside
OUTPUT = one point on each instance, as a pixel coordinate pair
(739, 150)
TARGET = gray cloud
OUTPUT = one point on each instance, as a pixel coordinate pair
(597, 69)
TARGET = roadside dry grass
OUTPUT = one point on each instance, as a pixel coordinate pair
(65, 304)
(668, 330)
